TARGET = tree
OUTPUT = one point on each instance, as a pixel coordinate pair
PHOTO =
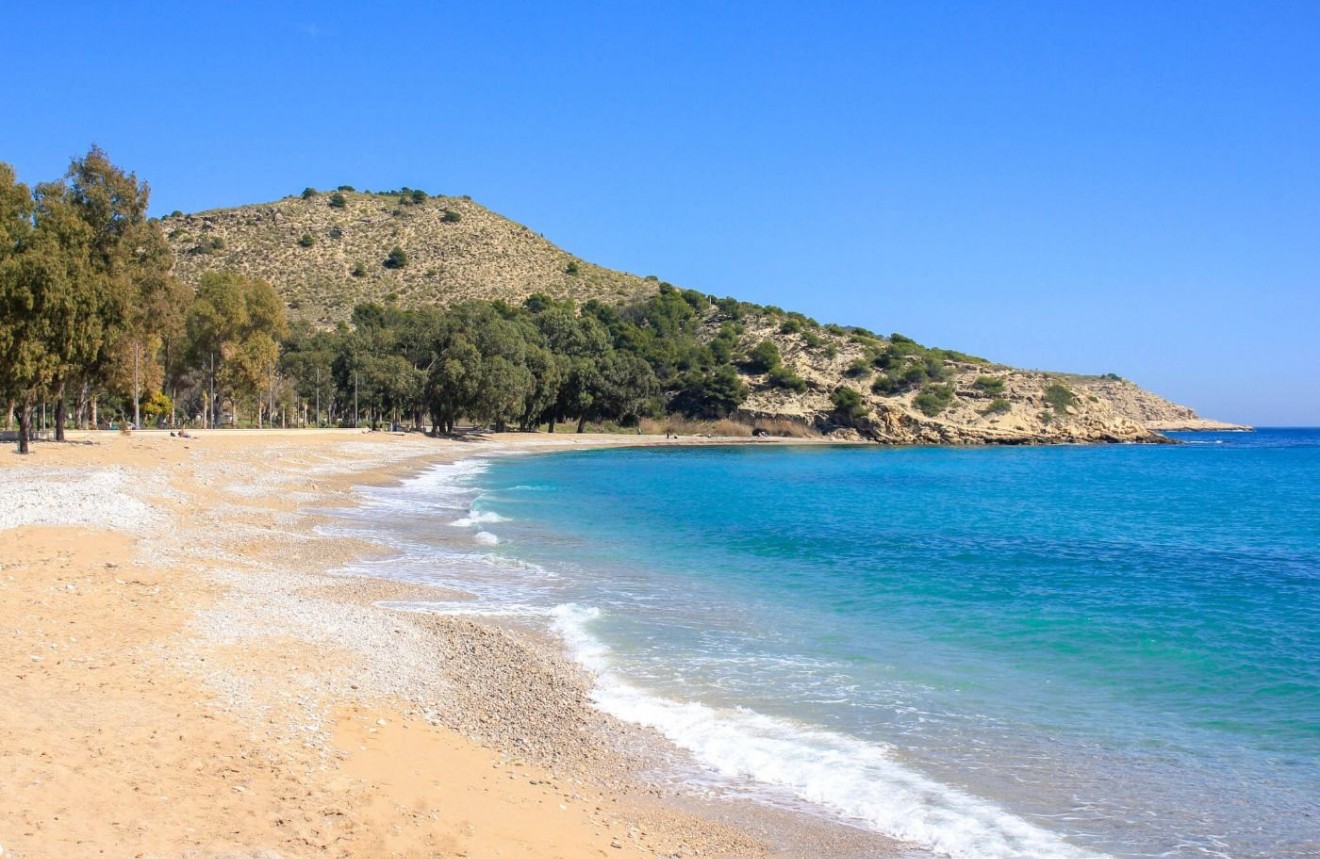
(26, 274)
(397, 258)
(117, 265)
(234, 327)
(763, 357)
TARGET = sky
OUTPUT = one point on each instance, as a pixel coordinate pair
(1126, 187)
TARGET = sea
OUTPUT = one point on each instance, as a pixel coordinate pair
(1058, 651)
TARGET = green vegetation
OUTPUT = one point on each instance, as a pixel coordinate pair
(905, 365)
(338, 201)
(848, 404)
(451, 217)
(309, 193)
(1060, 397)
(88, 306)
(230, 357)
(784, 377)
(933, 399)
(763, 357)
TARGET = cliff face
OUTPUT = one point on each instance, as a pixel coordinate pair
(328, 251)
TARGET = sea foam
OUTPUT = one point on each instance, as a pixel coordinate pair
(856, 780)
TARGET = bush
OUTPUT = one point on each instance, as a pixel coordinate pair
(571, 268)
(784, 377)
(397, 258)
(309, 193)
(337, 200)
(208, 244)
(933, 399)
(763, 357)
(1059, 397)
(848, 402)
(790, 326)
(858, 369)
(336, 233)
(358, 270)
(991, 386)
(812, 339)
(306, 241)
(451, 217)
(998, 406)
(348, 188)
(418, 196)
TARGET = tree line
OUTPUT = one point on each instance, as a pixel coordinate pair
(93, 321)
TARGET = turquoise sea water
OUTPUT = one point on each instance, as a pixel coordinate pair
(1050, 651)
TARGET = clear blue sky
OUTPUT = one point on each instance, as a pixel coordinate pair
(1093, 187)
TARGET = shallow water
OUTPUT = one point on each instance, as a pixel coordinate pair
(1055, 651)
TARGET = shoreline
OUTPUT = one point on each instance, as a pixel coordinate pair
(214, 611)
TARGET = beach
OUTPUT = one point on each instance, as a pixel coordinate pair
(187, 673)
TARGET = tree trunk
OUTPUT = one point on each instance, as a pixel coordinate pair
(59, 413)
(582, 424)
(24, 427)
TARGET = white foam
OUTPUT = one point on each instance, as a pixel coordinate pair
(486, 538)
(857, 780)
(478, 517)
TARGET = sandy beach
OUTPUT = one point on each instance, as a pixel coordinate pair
(186, 675)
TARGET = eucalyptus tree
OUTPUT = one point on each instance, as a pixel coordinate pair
(117, 290)
(234, 326)
(27, 278)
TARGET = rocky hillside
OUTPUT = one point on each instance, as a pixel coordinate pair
(977, 402)
(327, 251)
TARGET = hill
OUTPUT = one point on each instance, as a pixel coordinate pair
(325, 252)
(325, 257)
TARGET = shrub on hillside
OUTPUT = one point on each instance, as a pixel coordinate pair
(397, 258)
(763, 357)
(338, 201)
(451, 217)
(998, 406)
(933, 399)
(358, 270)
(306, 241)
(1059, 397)
(991, 386)
(848, 402)
(784, 377)
(309, 193)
